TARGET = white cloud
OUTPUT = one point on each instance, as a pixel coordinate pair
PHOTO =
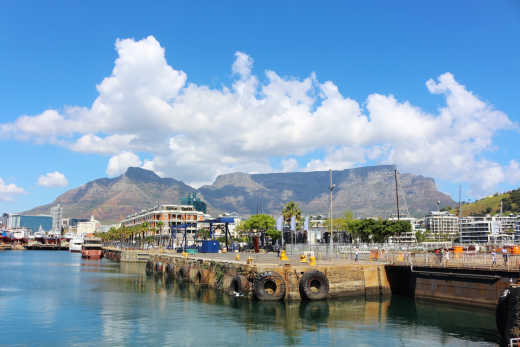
(289, 165)
(194, 132)
(53, 179)
(8, 191)
(513, 172)
(91, 143)
(120, 162)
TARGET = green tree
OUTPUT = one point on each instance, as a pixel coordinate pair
(262, 223)
(291, 209)
(420, 236)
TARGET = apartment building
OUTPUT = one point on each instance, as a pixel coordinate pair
(442, 226)
(488, 229)
(167, 218)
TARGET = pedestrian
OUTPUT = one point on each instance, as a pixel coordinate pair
(494, 256)
(356, 255)
(504, 254)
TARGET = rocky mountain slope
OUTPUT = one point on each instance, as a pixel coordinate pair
(367, 191)
(110, 199)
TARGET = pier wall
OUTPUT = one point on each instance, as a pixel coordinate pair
(343, 280)
(463, 286)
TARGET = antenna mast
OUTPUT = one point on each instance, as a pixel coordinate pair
(396, 195)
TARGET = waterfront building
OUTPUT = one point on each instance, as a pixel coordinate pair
(167, 218)
(57, 219)
(441, 226)
(4, 220)
(31, 223)
(317, 228)
(487, 229)
(408, 237)
(517, 229)
(89, 227)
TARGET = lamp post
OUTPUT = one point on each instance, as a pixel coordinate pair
(331, 189)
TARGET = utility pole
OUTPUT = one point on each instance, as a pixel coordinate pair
(460, 213)
(396, 194)
(331, 188)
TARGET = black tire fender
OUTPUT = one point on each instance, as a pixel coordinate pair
(314, 285)
(239, 284)
(269, 286)
(182, 274)
(149, 267)
(170, 269)
(158, 267)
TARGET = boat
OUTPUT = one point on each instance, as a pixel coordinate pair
(92, 248)
(76, 244)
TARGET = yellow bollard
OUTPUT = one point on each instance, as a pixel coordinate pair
(303, 258)
(237, 257)
(283, 256)
(312, 260)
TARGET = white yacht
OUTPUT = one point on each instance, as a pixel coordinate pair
(76, 243)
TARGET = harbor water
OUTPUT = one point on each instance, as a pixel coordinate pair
(55, 298)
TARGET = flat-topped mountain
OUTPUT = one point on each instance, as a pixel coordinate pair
(367, 191)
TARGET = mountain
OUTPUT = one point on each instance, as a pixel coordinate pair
(491, 205)
(110, 199)
(367, 191)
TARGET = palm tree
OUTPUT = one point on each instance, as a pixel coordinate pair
(291, 209)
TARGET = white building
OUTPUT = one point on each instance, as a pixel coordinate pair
(57, 219)
(487, 229)
(442, 226)
(167, 217)
(408, 237)
(90, 227)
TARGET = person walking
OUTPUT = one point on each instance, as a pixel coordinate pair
(494, 256)
(356, 254)
(505, 255)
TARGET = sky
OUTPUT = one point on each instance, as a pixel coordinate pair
(195, 89)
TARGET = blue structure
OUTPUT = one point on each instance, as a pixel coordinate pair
(210, 246)
(220, 220)
(34, 222)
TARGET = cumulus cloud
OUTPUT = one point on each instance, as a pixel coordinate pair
(289, 165)
(120, 162)
(194, 132)
(53, 179)
(8, 191)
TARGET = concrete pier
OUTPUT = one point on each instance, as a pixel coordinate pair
(265, 276)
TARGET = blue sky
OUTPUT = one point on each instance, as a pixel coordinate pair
(204, 88)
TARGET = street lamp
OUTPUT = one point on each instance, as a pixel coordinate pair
(331, 189)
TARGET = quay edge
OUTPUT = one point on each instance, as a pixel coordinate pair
(241, 279)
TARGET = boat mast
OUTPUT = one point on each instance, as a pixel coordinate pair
(396, 194)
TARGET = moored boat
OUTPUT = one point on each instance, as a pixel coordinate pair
(92, 248)
(76, 244)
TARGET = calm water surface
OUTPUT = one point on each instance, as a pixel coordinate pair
(57, 298)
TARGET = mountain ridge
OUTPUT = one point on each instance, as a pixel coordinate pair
(367, 191)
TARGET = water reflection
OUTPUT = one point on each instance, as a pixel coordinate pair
(65, 300)
(420, 322)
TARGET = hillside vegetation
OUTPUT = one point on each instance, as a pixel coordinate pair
(491, 205)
